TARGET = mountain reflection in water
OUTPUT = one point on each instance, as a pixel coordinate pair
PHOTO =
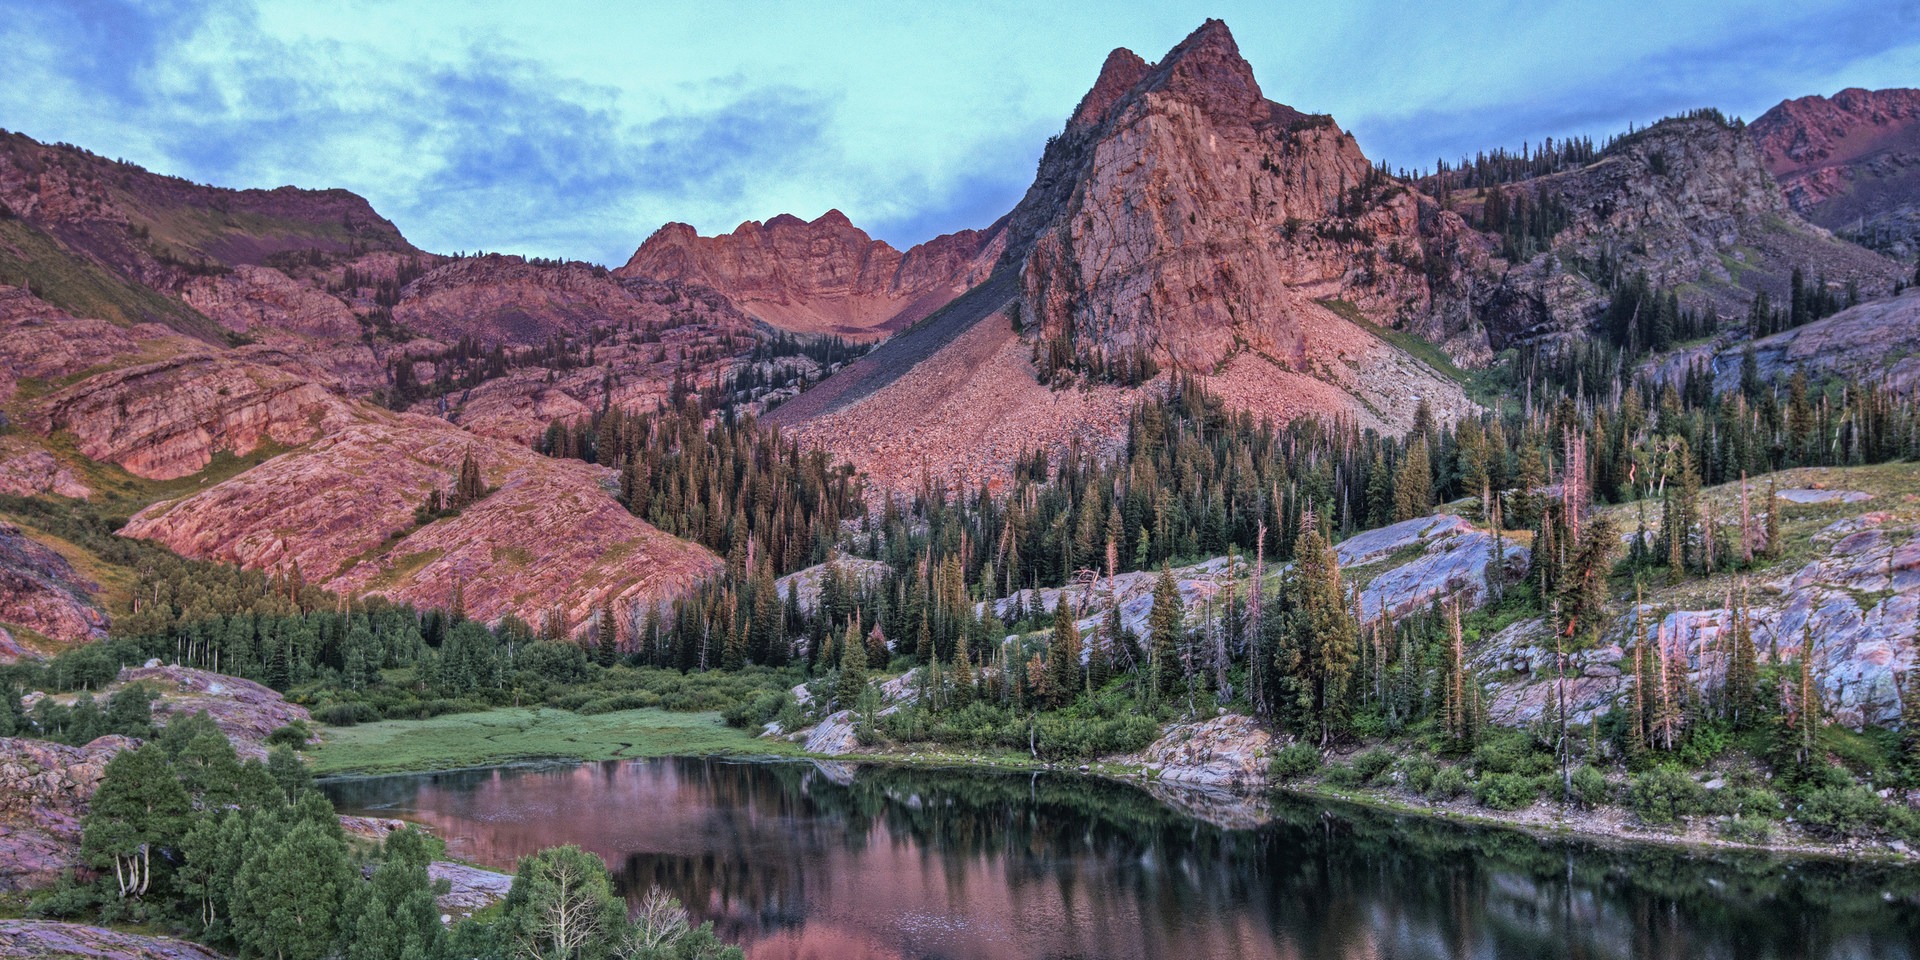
(798, 860)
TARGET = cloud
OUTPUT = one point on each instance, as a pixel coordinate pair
(576, 132)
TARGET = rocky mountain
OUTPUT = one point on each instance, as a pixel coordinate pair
(1850, 163)
(1876, 342)
(821, 277)
(1179, 222)
(1690, 202)
(1183, 215)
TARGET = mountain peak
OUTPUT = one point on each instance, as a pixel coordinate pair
(1119, 74)
(1208, 69)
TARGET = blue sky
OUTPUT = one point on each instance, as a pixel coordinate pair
(575, 129)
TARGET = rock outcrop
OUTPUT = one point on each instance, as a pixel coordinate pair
(1859, 602)
(41, 591)
(1688, 201)
(44, 789)
(25, 471)
(1876, 342)
(79, 941)
(167, 419)
(1850, 162)
(1401, 568)
(1183, 216)
(1230, 751)
(549, 541)
(243, 710)
(821, 277)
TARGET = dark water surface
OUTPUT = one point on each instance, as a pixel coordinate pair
(833, 862)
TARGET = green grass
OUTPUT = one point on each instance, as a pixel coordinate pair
(84, 288)
(528, 733)
(1417, 347)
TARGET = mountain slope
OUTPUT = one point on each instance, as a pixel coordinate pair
(1850, 163)
(825, 277)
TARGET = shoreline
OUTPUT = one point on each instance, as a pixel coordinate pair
(1612, 827)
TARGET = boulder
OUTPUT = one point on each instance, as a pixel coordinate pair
(1227, 751)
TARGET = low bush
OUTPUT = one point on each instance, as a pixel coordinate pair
(1843, 812)
(1417, 772)
(1746, 829)
(1371, 766)
(1448, 783)
(1664, 794)
(1505, 791)
(1295, 761)
(1590, 787)
(347, 714)
(1342, 775)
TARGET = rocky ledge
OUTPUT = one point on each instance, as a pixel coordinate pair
(48, 938)
(41, 591)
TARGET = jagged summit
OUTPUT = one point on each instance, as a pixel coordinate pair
(824, 276)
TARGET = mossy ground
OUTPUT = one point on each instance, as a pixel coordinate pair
(508, 734)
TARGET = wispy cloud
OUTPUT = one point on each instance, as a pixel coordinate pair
(577, 130)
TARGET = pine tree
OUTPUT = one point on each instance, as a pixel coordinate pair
(1165, 624)
(1063, 655)
(1413, 485)
(288, 895)
(1743, 671)
(853, 669)
(1324, 632)
(606, 648)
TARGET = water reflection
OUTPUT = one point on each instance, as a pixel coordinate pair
(806, 861)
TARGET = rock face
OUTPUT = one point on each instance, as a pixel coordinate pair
(1183, 216)
(1876, 342)
(40, 590)
(39, 341)
(148, 227)
(243, 710)
(550, 541)
(167, 419)
(1229, 751)
(505, 299)
(1860, 603)
(821, 277)
(44, 788)
(1690, 202)
(51, 938)
(25, 471)
(1850, 162)
(1451, 561)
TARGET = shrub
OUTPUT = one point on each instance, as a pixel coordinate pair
(1294, 761)
(1590, 787)
(1511, 753)
(754, 712)
(1746, 829)
(293, 735)
(1505, 791)
(1370, 766)
(1744, 802)
(1850, 811)
(1418, 772)
(1448, 783)
(348, 714)
(1342, 775)
(1664, 793)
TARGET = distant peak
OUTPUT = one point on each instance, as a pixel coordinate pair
(834, 217)
(1123, 69)
(1207, 67)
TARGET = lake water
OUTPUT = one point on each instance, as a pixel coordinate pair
(800, 861)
